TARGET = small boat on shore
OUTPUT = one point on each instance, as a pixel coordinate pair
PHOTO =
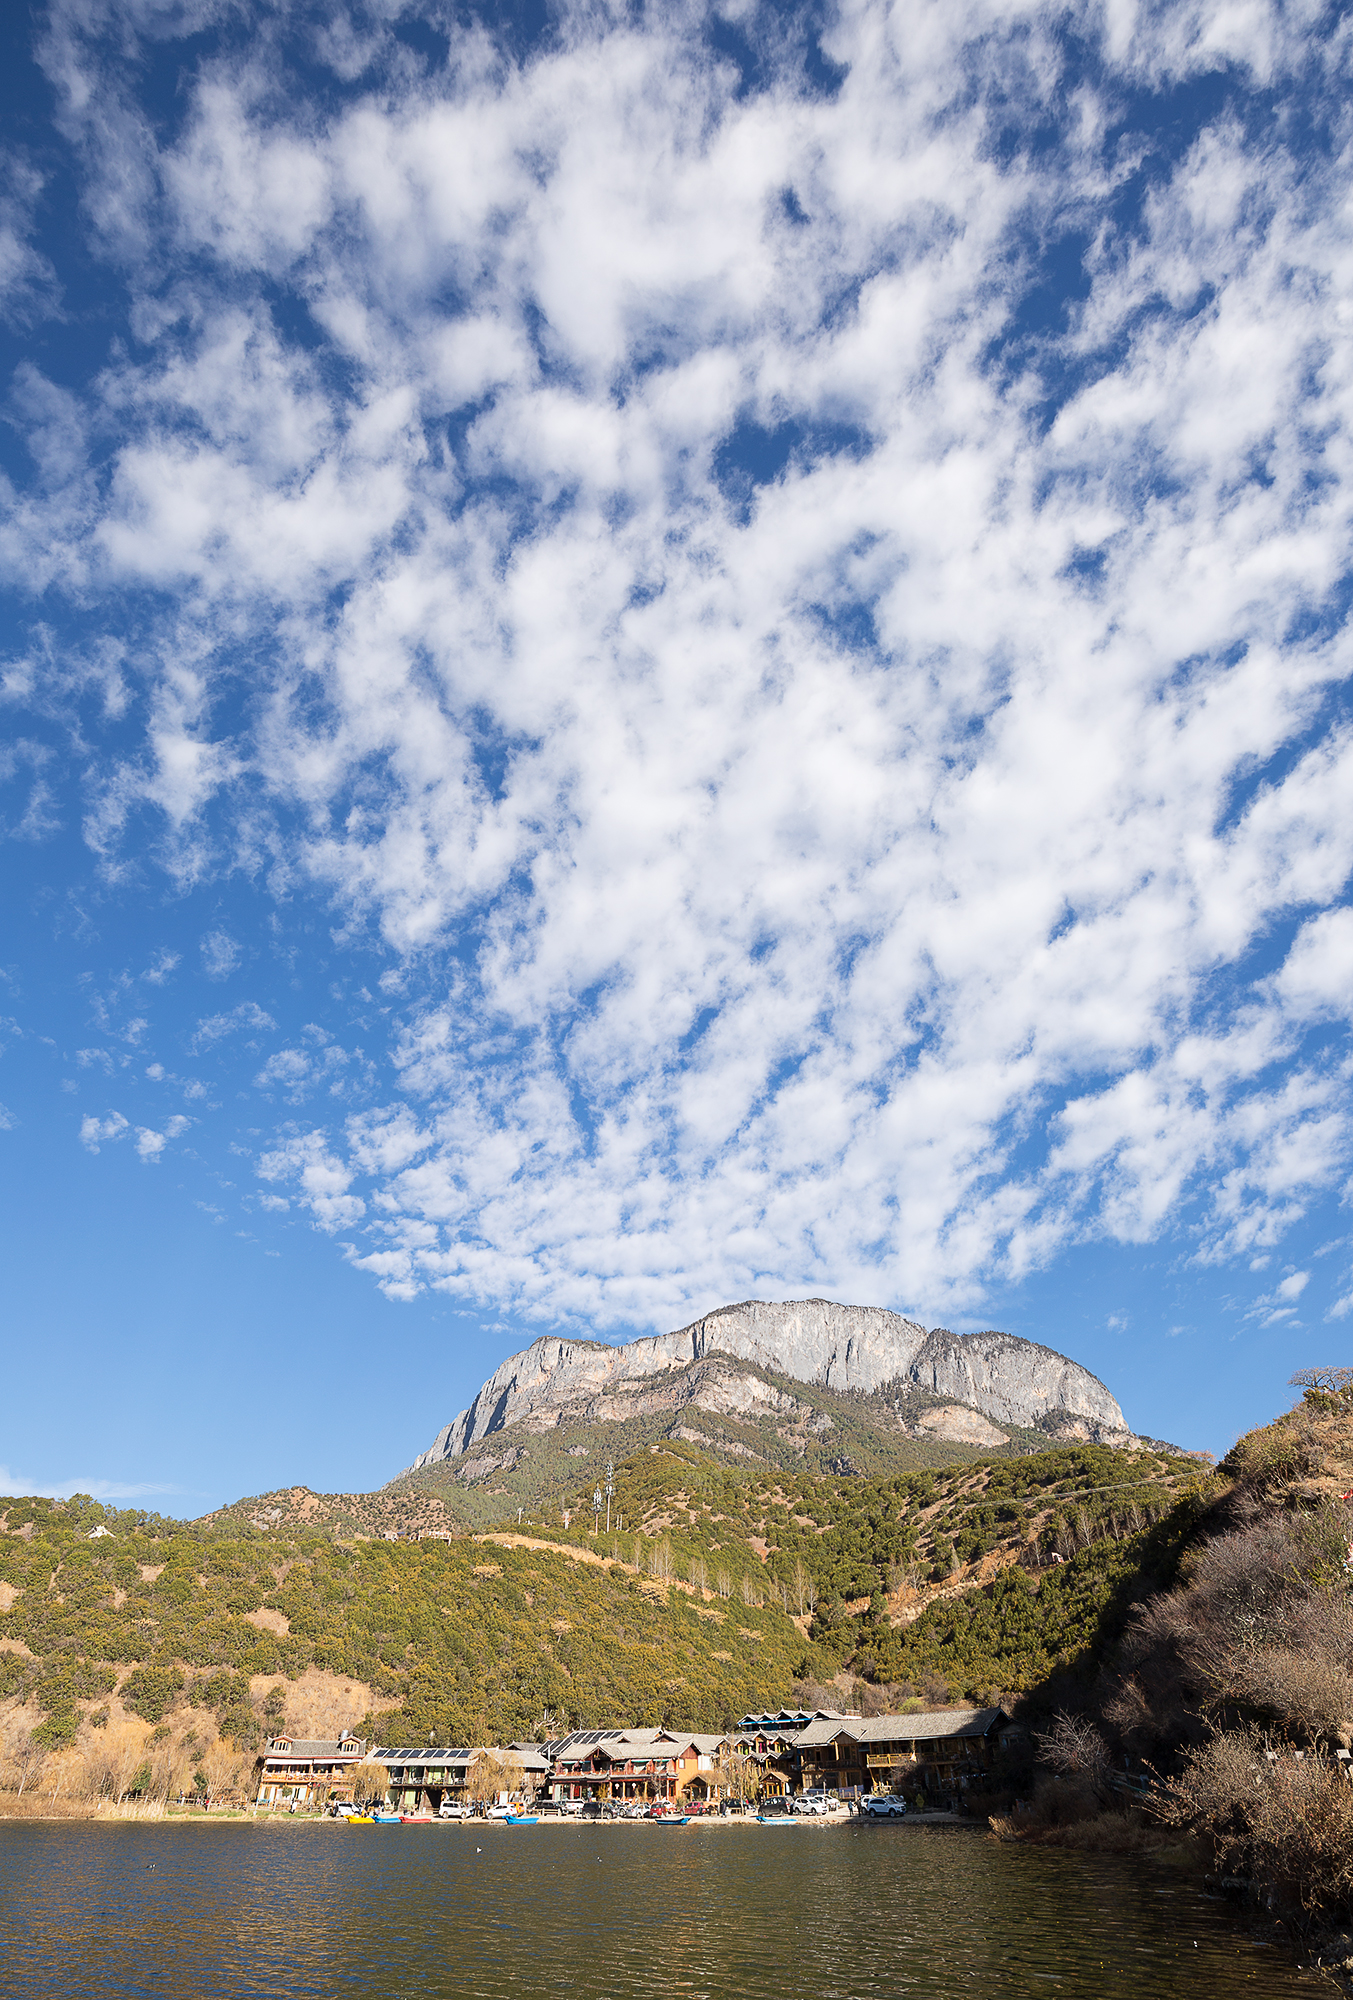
(776, 1819)
(358, 1819)
(388, 1819)
(521, 1819)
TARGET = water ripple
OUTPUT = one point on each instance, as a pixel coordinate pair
(240, 1910)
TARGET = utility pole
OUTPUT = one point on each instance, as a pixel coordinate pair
(610, 1492)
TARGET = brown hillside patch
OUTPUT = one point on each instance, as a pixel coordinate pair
(7, 1595)
(318, 1703)
(269, 1621)
(550, 1548)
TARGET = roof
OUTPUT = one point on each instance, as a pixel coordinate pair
(932, 1726)
(583, 1740)
(624, 1745)
(427, 1753)
(433, 1756)
(792, 1718)
(310, 1747)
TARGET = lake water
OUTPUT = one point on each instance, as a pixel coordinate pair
(840, 1913)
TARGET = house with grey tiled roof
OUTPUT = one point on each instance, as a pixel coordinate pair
(617, 1764)
(305, 1770)
(933, 1750)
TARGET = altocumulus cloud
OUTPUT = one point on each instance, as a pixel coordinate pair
(793, 574)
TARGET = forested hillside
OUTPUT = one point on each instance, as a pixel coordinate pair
(462, 1641)
(725, 1590)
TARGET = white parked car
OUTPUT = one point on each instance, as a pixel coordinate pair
(884, 1805)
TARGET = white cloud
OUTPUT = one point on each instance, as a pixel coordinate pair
(17, 1483)
(220, 954)
(323, 1180)
(287, 1071)
(8, 1119)
(150, 1144)
(1317, 975)
(98, 1132)
(856, 878)
(248, 1017)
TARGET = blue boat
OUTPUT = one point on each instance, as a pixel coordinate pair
(388, 1819)
(776, 1819)
(521, 1819)
(669, 1820)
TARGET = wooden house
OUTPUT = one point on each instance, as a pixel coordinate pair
(625, 1764)
(305, 1769)
(938, 1751)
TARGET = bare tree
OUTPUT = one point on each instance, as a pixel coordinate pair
(370, 1783)
(494, 1771)
(697, 1574)
(225, 1770)
(1075, 1748)
(748, 1592)
(725, 1584)
(1330, 1381)
(805, 1595)
(169, 1765)
(739, 1775)
(25, 1757)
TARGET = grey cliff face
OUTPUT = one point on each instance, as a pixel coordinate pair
(811, 1340)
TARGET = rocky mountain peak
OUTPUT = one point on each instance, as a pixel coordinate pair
(840, 1347)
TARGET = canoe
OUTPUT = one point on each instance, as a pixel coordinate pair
(387, 1819)
(776, 1819)
(359, 1819)
(522, 1819)
(666, 1820)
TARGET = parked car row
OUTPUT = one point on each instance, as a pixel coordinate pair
(811, 1804)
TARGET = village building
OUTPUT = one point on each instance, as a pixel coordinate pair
(621, 1764)
(772, 1743)
(937, 1752)
(424, 1777)
(304, 1770)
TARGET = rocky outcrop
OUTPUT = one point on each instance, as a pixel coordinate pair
(955, 1425)
(837, 1347)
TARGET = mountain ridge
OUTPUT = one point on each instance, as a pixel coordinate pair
(865, 1349)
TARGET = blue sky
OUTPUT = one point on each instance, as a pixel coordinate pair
(653, 657)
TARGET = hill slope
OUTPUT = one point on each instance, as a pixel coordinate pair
(725, 1590)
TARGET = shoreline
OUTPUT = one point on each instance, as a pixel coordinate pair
(54, 1815)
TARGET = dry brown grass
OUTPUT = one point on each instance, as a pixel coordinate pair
(318, 1703)
(103, 1764)
(1285, 1822)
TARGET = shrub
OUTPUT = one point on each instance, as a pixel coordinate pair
(1286, 1822)
(149, 1691)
